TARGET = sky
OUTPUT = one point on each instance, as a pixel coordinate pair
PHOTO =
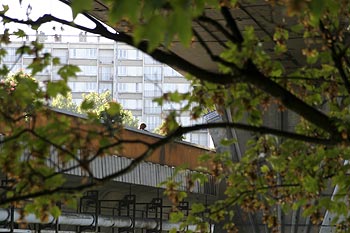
(38, 8)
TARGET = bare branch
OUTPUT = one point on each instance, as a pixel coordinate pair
(251, 74)
(212, 56)
(337, 58)
(218, 26)
(231, 23)
(256, 129)
(288, 54)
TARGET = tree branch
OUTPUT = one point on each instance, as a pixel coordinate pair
(210, 53)
(251, 74)
(218, 26)
(256, 129)
(254, 76)
(231, 23)
(289, 55)
(152, 147)
(335, 56)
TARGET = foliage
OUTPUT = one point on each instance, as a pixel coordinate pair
(65, 103)
(257, 71)
(93, 103)
(30, 137)
(165, 128)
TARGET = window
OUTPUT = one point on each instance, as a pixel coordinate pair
(40, 53)
(180, 87)
(152, 107)
(14, 67)
(130, 87)
(171, 106)
(131, 104)
(153, 73)
(106, 73)
(152, 90)
(149, 60)
(198, 121)
(198, 138)
(45, 71)
(106, 56)
(129, 71)
(77, 101)
(103, 87)
(170, 72)
(152, 122)
(129, 54)
(56, 76)
(11, 55)
(88, 70)
(62, 54)
(83, 86)
(185, 120)
(83, 53)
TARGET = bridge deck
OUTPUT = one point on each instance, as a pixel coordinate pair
(173, 154)
(151, 171)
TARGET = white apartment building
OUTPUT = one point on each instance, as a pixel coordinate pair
(133, 78)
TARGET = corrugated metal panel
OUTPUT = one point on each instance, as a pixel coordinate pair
(119, 167)
(145, 173)
(69, 167)
(137, 177)
(104, 161)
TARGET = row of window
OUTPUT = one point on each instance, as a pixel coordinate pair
(153, 73)
(104, 73)
(104, 55)
(83, 86)
(149, 89)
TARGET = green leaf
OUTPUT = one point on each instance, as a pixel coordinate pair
(152, 31)
(55, 61)
(20, 33)
(68, 71)
(176, 216)
(205, 157)
(55, 88)
(297, 28)
(127, 9)
(55, 211)
(79, 6)
(310, 184)
(175, 97)
(181, 23)
(197, 208)
(6, 8)
(87, 104)
(280, 48)
(264, 168)
(317, 7)
(114, 109)
(228, 142)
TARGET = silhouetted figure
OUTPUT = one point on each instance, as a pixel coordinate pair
(143, 126)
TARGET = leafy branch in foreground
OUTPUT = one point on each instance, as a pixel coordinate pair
(249, 73)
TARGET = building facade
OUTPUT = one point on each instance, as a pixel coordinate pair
(133, 78)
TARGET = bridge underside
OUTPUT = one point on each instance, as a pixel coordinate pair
(127, 202)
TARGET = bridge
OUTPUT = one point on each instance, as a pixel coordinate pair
(128, 202)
